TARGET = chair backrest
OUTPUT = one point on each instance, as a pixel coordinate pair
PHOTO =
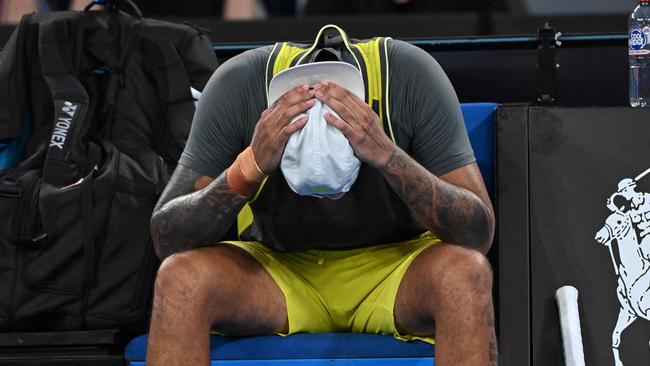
(479, 122)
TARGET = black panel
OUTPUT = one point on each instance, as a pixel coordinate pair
(512, 232)
(577, 159)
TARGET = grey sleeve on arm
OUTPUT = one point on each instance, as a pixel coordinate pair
(218, 131)
(439, 139)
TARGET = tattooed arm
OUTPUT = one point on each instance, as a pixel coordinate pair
(455, 206)
(193, 211)
(457, 215)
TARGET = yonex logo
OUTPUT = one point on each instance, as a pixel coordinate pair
(638, 39)
(69, 108)
(62, 125)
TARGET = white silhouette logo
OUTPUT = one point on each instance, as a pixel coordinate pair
(626, 236)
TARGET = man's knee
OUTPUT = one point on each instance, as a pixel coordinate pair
(472, 267)
(201, 277)
(454, 268)
(184, 275)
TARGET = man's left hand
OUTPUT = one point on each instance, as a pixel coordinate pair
(358, 123)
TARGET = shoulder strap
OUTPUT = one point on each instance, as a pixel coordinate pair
(174, 92)
(67, 158)
(117, 78)
(283, 56)
(71, 103)
(376, 73)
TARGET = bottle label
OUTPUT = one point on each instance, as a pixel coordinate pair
(638, 41)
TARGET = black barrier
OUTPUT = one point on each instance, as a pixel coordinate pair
(591, 69)
(573, 209)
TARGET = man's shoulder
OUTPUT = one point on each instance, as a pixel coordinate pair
(408, 62)
(402, 51)
(399, 45)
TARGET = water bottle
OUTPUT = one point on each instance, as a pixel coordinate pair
(639, 55)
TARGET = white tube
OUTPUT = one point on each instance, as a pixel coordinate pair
(567, 303)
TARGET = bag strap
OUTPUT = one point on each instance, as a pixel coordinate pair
(174, 92)
(88, 232)
(117, 79)
(62, 164)
(375, 71)
(330, 36)
(71, 103)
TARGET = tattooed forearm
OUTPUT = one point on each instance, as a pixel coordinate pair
(186, 218)
(454, 214)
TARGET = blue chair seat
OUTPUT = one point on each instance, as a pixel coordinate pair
(306, 349)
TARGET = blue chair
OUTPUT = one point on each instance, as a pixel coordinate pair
(305, 349)
(479, 122)
(343, 348)
(10, 153)
(11, 150)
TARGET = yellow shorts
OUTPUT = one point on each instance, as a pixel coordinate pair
(341, 290)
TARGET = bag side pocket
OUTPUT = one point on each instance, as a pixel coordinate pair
(127, 263)
(17, 189)
(65, 260)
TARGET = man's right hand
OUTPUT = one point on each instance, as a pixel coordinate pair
(274, 127)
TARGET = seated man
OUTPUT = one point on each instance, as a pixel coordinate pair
(401, 253)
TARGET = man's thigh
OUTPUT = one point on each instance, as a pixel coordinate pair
(227, 286)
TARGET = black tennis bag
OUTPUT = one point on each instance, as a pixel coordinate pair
(106, 97)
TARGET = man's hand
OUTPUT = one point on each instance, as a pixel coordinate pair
(358, 123)
(274, 127)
